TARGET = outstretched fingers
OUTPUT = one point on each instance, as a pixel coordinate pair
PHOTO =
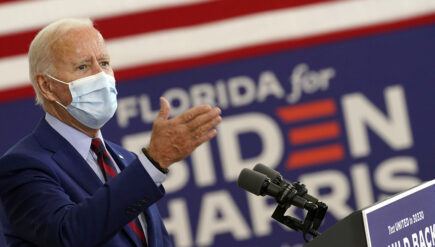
(193, 113)
(206, 137)
(204, 119)
(206, 126)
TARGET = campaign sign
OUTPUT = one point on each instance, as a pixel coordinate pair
(405, 220)
(352, 120)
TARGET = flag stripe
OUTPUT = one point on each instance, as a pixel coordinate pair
(160, 19)
(190, 15)
(18, 93)
(14, 44)
(21, 16)
(8, 1)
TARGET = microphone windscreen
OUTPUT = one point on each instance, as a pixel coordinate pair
(269, 172)
(251, 181)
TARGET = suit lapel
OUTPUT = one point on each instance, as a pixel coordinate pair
(121, 163)
(117, 156)
(74, 164)
(67, 157)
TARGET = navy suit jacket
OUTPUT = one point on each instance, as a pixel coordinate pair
(51, 197)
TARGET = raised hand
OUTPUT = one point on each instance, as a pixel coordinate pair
(174, 139)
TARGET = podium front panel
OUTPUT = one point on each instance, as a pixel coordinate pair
(406, 220)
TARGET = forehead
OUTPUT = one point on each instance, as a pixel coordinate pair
(77, 44)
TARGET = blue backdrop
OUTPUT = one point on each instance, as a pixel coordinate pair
(366, 114)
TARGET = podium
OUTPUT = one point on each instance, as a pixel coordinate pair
(406, 220)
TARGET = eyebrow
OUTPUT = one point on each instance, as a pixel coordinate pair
(106, 56)
(83, 61)
(88, 60)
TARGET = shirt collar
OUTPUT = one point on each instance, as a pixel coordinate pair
(80, 141)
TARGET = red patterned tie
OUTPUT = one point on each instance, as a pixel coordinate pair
(109, 171)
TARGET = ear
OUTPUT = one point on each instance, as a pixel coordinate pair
(45, 87)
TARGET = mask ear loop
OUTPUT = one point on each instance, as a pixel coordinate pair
(56, 79)
(60, 82)
(60, 104)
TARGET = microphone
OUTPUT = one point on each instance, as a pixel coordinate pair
(269, 172)
(277, 178)
(263, 180)
(259, 184)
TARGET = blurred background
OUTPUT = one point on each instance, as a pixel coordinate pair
(336, 94)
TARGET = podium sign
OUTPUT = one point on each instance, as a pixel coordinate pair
(406, 220)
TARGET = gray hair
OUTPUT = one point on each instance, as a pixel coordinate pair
(40, 59)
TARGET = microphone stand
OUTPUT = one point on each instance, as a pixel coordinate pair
(313, 219)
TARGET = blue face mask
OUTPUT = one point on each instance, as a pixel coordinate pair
(93, 99)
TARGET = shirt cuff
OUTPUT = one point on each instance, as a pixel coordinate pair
(157, 176)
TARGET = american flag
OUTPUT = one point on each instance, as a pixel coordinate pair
(154, 36)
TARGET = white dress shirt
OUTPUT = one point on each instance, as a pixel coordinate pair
(82, 143)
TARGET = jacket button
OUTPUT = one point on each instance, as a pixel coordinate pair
(142, 202)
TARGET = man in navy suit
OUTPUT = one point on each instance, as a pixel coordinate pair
(57, 188)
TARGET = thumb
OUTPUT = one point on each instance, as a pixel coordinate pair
(164, 109)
